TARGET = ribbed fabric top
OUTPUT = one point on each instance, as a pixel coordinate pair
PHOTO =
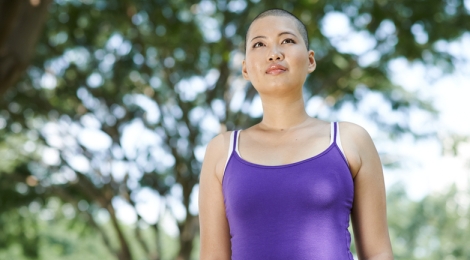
(293, 211)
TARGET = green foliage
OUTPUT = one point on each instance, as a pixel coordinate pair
(170, 71)
(436, 227)
(48, 239)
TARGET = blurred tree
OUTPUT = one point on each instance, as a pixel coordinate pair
(21, 23)
(122, 96)
(435, 227)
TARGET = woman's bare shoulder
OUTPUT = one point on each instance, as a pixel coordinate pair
(217, 153)
(354, 131)
(357, 144)
(219, 141)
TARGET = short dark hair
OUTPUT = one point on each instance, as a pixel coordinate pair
(280, 12)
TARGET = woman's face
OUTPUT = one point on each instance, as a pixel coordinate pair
(276, 58)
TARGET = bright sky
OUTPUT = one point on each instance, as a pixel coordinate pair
(429, 169)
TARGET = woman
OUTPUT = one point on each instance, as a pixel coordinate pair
(286, 187)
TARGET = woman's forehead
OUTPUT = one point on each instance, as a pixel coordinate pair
(273, 24)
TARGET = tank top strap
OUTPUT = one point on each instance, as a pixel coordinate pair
(232, 146)
(235, 140)
(333, 133)
(335, 137)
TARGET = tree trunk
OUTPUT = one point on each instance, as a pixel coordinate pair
(21, 22)
(124, 253)
(188, 231)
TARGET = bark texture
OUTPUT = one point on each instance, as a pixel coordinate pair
(21, 23)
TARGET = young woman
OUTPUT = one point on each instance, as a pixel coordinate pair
(286, 187)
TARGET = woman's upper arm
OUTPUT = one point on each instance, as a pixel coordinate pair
(369, 213)
(214, 230)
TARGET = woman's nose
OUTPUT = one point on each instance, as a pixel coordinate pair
(275, 54)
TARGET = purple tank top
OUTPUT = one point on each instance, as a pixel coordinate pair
(293, 211)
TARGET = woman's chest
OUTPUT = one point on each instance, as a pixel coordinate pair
(313, 185)
(281, 153)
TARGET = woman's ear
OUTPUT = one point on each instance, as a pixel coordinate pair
(312, 64)
(244, 72)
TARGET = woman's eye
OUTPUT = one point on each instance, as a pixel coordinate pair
(258, 44)
(288, 41)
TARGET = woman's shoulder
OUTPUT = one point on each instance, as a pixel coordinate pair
(218, 144)
(217, 152)
(357, 144)
(353, 130)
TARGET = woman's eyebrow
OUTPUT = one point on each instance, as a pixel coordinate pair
(281, 33)
(256, 37)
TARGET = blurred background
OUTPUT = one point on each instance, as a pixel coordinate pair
(106, 107)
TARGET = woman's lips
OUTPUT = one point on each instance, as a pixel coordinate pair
(275, 69)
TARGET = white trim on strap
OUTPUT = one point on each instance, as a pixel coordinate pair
(332, 134)
(230, 147)
(238, 142)
(338, 142)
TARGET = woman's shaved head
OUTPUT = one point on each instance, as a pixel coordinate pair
(279, 12)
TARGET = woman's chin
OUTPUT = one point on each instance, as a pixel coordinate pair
(278, 90)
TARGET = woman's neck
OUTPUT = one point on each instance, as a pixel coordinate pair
(280, 114)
